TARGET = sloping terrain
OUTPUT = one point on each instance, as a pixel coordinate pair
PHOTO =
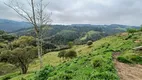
(93, 62)
(127, 71)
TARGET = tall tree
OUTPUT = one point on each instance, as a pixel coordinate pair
(36, 15)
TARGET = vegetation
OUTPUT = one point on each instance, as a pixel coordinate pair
(63, 34)
(89, 43)
(67, 54)
(85, 63)
(61, 54)
(131, 30)
(70, 44)
(36, 16)
(20, 53)
(44, 73)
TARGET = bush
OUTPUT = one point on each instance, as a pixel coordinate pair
(44, 73)
(61, 54)
(97, 61)
(89, 43)
(130, 58)
(70, 54)
(131, 30)
(122, 59)
(6, 78)
(136, 59)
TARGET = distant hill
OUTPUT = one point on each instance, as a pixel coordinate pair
(77, 33)
(10, 25)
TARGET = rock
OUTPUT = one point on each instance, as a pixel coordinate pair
(138, 48)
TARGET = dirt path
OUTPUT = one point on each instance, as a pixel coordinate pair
(128, 72)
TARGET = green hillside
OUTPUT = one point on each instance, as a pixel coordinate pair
(93, 62)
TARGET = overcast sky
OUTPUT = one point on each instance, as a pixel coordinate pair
(127, 12)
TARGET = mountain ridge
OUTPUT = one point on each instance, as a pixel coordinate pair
(11, 25)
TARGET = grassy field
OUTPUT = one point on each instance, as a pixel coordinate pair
(48, 59)
(85, 66)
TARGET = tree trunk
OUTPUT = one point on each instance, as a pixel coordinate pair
(24, 69)
(39, 50)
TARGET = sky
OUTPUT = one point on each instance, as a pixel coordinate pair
(127, 12)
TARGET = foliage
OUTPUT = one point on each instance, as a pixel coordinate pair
(2, 32)
(122, 59)
(4, 37)
(19, 53)
(70, 54)
(97, 61)
(62, 34)
(130, 58)
(24, 41)
(20, 57)
(61, 54)
(43, 74)
(67, 54)
(131, 30)
(140, 28)
(81, 67)
(70, 44)
(89, 43)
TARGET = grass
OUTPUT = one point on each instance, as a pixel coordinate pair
(48, 59)
(82, 67)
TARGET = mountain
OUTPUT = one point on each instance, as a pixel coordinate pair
(10, 25)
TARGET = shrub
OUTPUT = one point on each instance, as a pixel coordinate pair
(131, 30)
(70, 54)
(89, 43)
(97, 61)
(136, 59)
(123, 59)
(130, 58)
(44, 73)
(61, 54)
(6, 78)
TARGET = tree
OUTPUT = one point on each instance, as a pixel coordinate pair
(24, 41)
(20, 57)
(21, 53)
(36, 15)
(70, 44)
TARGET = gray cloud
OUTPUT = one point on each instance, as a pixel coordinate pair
(88, 11)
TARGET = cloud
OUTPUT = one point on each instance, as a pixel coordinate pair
(89, 11)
